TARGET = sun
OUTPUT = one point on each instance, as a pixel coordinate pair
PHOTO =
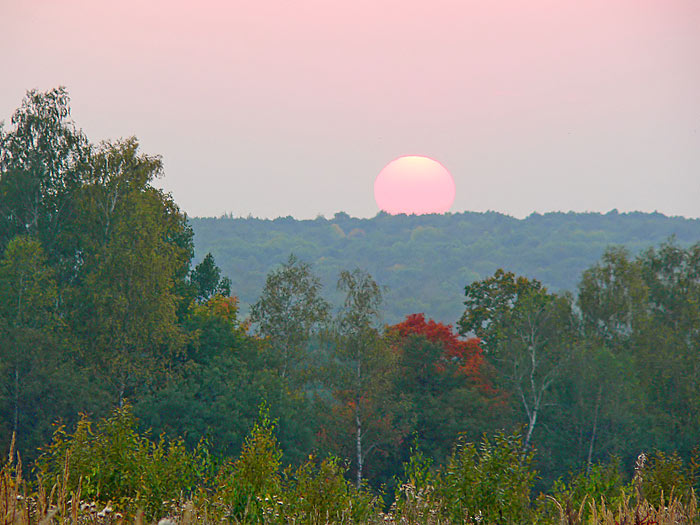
(414, 184)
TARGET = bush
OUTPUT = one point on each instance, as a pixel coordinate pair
(113, 462)
(603, 482)
(488, 483)
(667, 475)
(252, 489)
(320, 493)
(245, 485)
(415, 500)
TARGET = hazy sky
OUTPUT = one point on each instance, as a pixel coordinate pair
(292, 107)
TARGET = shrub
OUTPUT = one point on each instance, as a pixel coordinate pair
(574, 498)
(111, 461)
(245, 485)
(415, 499)
(667, 475)
(488, 483)
(319, 493)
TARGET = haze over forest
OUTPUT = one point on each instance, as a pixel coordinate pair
(425, 261)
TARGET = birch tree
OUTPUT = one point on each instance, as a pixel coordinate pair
(125, 305)
(42, 157)
(27, 318)
(364, 363)
(289, 313)
(527, 332)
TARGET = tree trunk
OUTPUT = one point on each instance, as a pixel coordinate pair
(18, 324)
(358, 421)
(531, 427)
(122, 387)
(595, 426)
(15, 423)
(358, 425)
(537, 395)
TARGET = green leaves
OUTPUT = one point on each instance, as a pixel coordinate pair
(207, 280)
(29, 326)
(125, 306)
(245, 485)
(527, 332)
(611, 296)
(112, 461)
(489, 481)
(42, 161)
(646, 312)
(491, 302)
(27, 285)
(289, 312)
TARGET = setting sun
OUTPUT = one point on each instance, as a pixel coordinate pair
(414, 184)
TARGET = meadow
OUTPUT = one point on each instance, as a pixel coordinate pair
(113, 475)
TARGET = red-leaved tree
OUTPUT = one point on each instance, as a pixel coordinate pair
(444, 383)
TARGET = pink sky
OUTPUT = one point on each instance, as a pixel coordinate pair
(293, 107)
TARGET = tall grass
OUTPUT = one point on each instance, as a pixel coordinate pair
(486, 483)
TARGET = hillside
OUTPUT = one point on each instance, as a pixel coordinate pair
(425, 261)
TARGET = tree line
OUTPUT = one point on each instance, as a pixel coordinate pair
(425, 260)
(103, 310)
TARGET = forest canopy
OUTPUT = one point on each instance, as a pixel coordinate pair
(426, 260)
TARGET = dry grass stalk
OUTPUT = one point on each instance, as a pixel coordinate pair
(644, 513)
(567, 515)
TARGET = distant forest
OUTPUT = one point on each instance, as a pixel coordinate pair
(425, 261)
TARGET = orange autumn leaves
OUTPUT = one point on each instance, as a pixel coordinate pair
(463, 357)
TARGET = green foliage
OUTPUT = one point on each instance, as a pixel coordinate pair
(41, 165)
(423, 271)
(125, 308)
(667, 342)
(528, 335)
(27, 284)
(602, 482)
(444, 385)
(414, 498)
(644, 315)
(112, 461)
(207, 280)
(365, 409)
(418, 469)
(244, 486)
(318, 493)
(666, 475)
(253, 488)
(490, 482)
(30, 338)
(611, 296)
(288, 314)
(99, 302)
(492, 302)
